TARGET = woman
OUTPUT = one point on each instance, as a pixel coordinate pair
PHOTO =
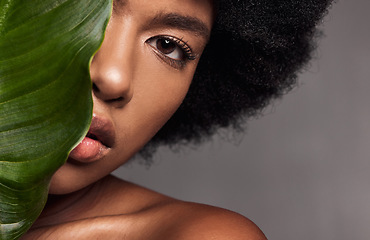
(141, 75)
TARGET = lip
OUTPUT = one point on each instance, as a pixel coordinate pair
(96, 144)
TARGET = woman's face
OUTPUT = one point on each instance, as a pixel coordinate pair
(140, 76)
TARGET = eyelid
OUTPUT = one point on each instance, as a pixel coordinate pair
(182, 45)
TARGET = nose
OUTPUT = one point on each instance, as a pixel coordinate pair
(112, 68)
(111, 83)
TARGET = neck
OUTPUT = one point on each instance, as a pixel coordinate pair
(61, 208)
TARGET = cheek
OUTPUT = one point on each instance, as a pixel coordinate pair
(161, 88)
(155, 103)
(158, 92)
(168, 92)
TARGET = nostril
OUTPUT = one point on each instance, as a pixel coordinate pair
(108, 97)
(119, 99)
(95, 88)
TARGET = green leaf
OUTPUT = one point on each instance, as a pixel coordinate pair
(45, 97)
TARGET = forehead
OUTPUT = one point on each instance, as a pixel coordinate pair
(200, 9)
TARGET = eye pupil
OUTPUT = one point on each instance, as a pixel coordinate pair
(165, 46)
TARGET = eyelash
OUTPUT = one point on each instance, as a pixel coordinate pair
(186, 51)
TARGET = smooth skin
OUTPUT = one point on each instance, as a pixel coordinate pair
(141, 75)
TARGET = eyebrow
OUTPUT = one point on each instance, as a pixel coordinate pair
(186, 23)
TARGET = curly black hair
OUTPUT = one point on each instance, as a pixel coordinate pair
(255, 51)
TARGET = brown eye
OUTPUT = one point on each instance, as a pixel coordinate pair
(167, 47)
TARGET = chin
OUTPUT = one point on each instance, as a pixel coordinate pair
(65, 181)
(60, 187)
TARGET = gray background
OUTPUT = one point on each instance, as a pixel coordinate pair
(302, 171)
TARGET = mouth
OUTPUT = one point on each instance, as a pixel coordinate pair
(97, 143)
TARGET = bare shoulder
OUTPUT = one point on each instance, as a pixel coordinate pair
(169, 218)
(135, 212)
(198, 221)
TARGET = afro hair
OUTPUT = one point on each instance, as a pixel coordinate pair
(255, 51)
